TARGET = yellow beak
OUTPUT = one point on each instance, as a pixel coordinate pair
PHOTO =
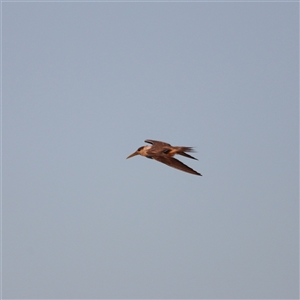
(133, 154)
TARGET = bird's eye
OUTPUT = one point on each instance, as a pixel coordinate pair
(140, 149)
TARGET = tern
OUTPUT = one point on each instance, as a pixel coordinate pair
(164, 153)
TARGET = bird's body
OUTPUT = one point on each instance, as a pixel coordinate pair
(164, 153)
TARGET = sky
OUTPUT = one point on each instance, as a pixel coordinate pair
(84, 84)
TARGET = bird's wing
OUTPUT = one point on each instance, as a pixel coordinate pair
(158, 148)
(157, 143)
(175, 163)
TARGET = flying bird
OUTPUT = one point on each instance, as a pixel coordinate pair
(164, 153)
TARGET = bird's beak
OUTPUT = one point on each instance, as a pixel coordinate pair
(133, 154)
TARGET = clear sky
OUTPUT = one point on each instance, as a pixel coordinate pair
(84, 84)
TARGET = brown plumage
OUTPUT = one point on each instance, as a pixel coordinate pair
(164, 153)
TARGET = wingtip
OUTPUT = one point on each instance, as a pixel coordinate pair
(196, 173)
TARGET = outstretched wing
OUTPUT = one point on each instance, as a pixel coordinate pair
(165, 148)
(158, 148)
(157, 143)
(175, 163)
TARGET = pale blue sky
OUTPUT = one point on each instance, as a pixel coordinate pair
(84, 84)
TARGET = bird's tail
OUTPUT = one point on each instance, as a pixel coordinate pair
(182, 150)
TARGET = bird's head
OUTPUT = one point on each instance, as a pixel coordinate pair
(139, 151)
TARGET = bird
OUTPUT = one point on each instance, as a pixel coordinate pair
(164, 152)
